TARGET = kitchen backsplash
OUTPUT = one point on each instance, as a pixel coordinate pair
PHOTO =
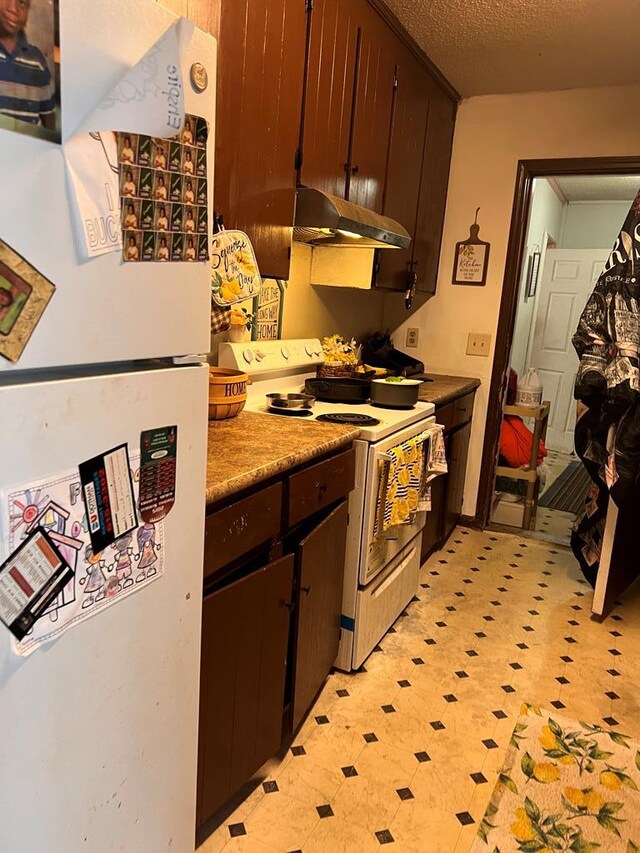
(311, 311)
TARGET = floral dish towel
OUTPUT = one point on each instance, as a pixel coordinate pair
(564, 786)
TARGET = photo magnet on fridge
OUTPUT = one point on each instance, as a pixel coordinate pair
(24, 295)
(158, 452)
(107, 489)
(30, 580)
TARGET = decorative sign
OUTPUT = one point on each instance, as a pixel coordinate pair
(234, 269)
(268, 309)
(24, 295)
(471, 258)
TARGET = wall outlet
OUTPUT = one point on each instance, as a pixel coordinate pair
(412, 337)
(478, 344)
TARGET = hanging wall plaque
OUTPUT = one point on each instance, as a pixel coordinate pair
(234, 270)
(471, 258)
(267, 307)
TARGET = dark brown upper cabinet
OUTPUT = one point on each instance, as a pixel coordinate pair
(433, 188)
(348, 101)
(372, 109)
(261, 54)
(417, 177)
(329, 94)
(404, 175)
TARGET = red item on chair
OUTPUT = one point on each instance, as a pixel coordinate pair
(516, 442)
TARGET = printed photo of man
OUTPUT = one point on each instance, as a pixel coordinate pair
(27, 83)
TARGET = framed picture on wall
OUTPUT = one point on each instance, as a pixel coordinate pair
(532, 274)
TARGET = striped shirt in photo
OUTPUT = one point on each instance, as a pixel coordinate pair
(26, 85)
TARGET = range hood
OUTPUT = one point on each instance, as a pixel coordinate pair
(326, 220)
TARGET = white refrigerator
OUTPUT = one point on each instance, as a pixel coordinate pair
(98, 728)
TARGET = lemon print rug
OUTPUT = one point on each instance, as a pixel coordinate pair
(564, 786)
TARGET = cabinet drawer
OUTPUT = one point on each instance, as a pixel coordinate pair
(456, 413)
(237, 529)
(320, 486)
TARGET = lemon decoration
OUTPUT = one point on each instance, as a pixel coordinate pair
(610, 780)
(546, 773)
(548, 739)
(522, 828)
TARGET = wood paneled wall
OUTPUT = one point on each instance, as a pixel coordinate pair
(204, 13)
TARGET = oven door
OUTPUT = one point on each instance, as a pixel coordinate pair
(377, 552)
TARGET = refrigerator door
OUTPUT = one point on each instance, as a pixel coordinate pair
(99, 727)
(104, 310)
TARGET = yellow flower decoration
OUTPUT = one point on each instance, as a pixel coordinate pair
(412, 500)
(523, 829)
(546, 773)
(567, 759)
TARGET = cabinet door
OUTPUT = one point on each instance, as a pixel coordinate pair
(405, 167)
(320, 574)
(433, 188)
(329, 94)
(245, 629)
(434, 526)
(458, 452)
(372, 111)
(260, 75)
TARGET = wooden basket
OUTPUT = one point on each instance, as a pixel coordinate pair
(336, 371)
(227, 393)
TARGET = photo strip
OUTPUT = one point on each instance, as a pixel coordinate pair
(163, 195)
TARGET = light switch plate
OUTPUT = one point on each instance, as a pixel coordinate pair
(478, 344)
(413, 336)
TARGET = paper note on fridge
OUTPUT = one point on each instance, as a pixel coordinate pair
(148, 99)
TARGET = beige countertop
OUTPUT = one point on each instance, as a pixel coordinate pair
(253, 447)
(443, 388)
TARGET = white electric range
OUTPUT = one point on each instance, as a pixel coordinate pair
(381, 573)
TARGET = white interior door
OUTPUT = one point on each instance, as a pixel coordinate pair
(567, 281)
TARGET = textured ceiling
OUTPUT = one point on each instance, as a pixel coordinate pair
(596, 188)
(498, 46)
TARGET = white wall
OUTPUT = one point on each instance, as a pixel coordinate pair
(493, 132)
(592, 224)
(545, 219)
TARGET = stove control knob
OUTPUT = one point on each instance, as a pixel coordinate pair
(286, 353)
(308, 351)
(248, 356)
(260, 354)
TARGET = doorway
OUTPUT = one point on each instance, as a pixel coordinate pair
(566, 217)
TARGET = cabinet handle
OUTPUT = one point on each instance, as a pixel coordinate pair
(288, 604)
(305, 589)
(355, 170)
(322, 488)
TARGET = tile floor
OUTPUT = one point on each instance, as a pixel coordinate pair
(403, 755)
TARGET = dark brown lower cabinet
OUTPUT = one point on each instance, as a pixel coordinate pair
(447, 492)
(320, 570)
(432, 533)
(458, 452)
(245, 631)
